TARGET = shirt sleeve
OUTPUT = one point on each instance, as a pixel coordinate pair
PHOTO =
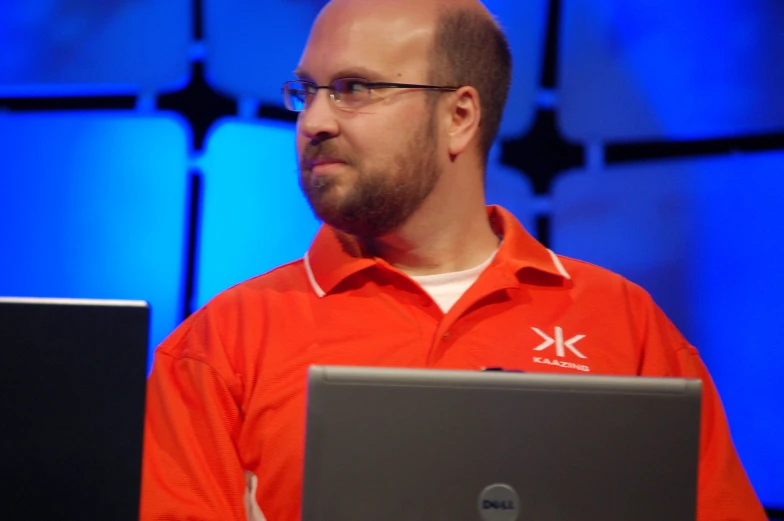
(191, 469)
(724, 492)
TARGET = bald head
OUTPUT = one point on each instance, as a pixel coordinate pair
(426, 11)
(379, 40)
(414, 7)
(457, 41)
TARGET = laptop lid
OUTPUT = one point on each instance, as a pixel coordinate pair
(72, 387)
(425, 445)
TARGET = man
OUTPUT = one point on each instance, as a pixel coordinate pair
(400, 101)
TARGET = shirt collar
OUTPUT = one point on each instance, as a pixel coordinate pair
(334, 255)
(519, 249)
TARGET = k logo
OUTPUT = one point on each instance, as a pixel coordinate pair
(558, 341)
(561, 346)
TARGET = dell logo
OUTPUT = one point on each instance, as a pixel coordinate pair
(489, 504)
(499, 502)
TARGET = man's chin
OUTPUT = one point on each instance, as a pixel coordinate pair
(358, 224)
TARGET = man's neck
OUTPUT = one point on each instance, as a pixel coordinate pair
(441, 243)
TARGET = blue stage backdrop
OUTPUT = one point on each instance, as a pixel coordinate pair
(254, 217)
(180, 188)
(703, 237)
(636, 69)
(93, 46)
(92, 205)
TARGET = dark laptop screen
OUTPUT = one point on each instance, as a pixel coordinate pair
(72, 386)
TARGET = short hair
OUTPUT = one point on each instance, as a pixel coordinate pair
(470, 49)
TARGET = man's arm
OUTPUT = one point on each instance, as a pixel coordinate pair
(191, 469)
(724, 492)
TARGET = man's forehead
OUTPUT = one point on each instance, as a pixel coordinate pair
(412, 9)
(422, 12)
(391, 37)
(423, 8)
(351, 33)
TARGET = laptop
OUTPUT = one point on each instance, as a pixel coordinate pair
(72, 388)
(437, 445)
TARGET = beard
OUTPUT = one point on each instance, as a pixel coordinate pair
(381, 198)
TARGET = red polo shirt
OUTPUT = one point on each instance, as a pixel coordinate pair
(226, 398)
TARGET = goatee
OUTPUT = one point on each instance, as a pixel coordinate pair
(380, 198)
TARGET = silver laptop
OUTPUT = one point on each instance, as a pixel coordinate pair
(434, 445)
(72, 389)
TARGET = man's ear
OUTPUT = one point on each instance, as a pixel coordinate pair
(465, 115)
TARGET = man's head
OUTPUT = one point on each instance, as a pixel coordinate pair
(367, 169)
(469, 48)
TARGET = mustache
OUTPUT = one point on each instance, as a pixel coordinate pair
(323, 149)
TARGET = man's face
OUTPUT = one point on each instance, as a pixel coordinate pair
(367, 170)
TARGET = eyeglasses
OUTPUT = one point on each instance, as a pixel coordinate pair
(346, 93)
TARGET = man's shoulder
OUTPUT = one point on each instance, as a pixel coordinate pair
(585, 275)
(286, 278)
(240, 310)
(611, 298)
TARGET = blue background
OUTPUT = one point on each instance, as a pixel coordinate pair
(97, 203)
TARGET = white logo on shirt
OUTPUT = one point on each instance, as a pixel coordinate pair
(561, 346)
(559, 342)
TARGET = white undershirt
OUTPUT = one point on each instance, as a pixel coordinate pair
(447, 288)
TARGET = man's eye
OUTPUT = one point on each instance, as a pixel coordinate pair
(351, 86)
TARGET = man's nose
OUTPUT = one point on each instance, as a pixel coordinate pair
(317, 120)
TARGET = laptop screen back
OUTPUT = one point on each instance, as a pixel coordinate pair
(392, 444)
(72, 387)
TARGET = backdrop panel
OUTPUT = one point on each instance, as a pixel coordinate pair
(92, 205)
(93, 46)
(254, 215)
(510, 188)
(253, 47)
(685, 69)
(703, 237)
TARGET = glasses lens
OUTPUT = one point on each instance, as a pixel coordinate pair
(351, 92)
(296, 95)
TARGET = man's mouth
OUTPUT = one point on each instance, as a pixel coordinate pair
(323, 165)
(317, 161)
